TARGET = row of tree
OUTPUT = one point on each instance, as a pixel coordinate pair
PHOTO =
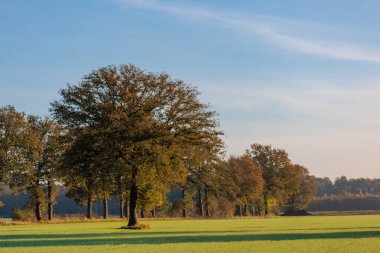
(347, 202)
(137, 135)
(343, 186)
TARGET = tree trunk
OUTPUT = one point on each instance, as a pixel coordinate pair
(154, 212)
(142, 215)
(200, 204)
(38, 210)
(259, 210)
(89, 206)
(240, 212)
(121, 196)
(133, 201)
(266, 205)
(105, 208)
(121, 206)
(207, 209)
(245, 210)
(126, 209)
(184, 211)
(252, 209)
(50, 200)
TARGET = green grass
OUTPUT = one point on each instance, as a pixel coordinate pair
(280, 234)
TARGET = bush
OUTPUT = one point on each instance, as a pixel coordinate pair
(23, 215)
(138, 227)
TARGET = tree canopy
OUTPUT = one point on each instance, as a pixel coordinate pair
(143, 118)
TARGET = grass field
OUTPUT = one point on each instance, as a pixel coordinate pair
(279, 234)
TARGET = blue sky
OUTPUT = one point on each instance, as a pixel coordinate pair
(300, 75)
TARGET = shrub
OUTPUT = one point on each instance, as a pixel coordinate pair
(23, 215)
(138, 227)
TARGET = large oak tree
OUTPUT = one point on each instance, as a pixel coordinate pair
(143, 118)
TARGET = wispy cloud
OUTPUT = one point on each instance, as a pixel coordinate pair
(255, 27)
(305, 101)
(331, 130)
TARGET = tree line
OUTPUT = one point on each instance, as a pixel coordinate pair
(342, 186)
(345, 194)
(138, 135)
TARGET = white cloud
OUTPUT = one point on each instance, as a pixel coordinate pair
(255, 27)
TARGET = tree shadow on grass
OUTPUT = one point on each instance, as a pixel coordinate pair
(160, 238)
(146, 233)
(138, 233)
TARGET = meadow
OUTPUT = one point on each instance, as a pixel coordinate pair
(359, 233)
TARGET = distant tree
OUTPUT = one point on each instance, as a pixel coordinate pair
(50, 160)
(39, 178)
(273, 162)
(13, 142)
(201, 176)
(29, 157)
(344, 186)
(20, 153)
(142, 118)
(324, 186)
(247, 177)
(300, 189)
(225, 189)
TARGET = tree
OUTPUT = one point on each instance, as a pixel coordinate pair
(28, 156)
(80, 168)
(272, 162)
(248, 181)
(143, 118)
(325, 186)
(200, 163)
(20, 152)
(301, 187)
(13, 144)
(39, 178)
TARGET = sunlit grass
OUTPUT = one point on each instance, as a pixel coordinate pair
(280, 234)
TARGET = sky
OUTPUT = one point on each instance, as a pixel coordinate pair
(300, 75)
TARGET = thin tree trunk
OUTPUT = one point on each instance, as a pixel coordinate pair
(38, 210)
(252, 209)
(133, 221)
(37, 197)
(200, 204)
(207, 209)
(184, 211)
(50, 200)
(266, 205)
(126, 209)
(259, 211)
(121, 197)
(154, 212)
(240, 213)
(142, 215)
(89, 206)
(121, 206)
(105, 208)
